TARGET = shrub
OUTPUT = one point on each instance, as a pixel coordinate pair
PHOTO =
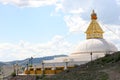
(37, 77)
(13, 74)
(117, 58)
(106, 55)
(104, 76)
(42, 76)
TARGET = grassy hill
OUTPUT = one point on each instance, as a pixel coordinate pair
(106, 68)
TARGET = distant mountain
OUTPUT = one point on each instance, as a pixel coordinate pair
(2, 63)
(33, 60)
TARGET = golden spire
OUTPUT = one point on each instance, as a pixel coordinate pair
(93, 15)
(94, 30)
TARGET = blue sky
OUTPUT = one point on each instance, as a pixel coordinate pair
(29, 24)
(51, 27)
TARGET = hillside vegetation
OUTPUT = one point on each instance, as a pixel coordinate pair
(106, 68)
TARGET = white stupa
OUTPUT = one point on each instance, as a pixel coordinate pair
(93, 47)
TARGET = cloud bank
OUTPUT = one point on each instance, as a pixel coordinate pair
(58, 45)
(28, 3)
(83, 8)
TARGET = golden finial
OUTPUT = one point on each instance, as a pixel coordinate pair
(93, 15)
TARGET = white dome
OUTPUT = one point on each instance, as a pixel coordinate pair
(95, 46)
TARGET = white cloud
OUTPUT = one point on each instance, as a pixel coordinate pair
(85, 7)
(68, 6)
(58, 45)
(29, 3)
(118, 2)
(77, 11)
(112, 33)
(75, 23)
(112, 30)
